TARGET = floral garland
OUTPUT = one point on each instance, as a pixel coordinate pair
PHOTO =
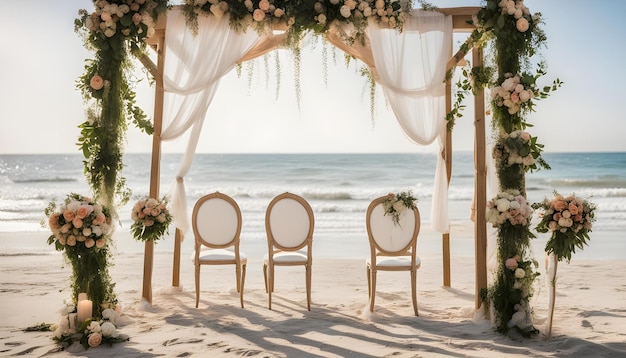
(395, 204)
(115, 29)
(151, 219)
(82, 230)
(301, 16)
(570, 220)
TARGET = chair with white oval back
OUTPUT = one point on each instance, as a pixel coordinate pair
(289, 226)
(392, 246)
(216, 223)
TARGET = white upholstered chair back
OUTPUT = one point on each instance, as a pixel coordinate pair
(216, 221)
(388, 236)
(289, 222)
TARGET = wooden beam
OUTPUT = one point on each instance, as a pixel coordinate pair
(155, 171)
(480, 185)
(448, 157)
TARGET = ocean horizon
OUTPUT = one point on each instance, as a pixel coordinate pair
(339, 188)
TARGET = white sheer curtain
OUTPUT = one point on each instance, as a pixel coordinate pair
(194, 65)
(411, 70)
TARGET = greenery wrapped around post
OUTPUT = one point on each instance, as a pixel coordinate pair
(516, 37)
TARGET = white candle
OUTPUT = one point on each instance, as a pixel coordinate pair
(82, 296)
(84, 310)
(72, 318)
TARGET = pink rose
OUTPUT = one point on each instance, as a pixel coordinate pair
(559, 205)
(134, 6)
(155, 212)
(137, 18)
(94, 339)
(77, 222)
(100, 243)
(53, 221)
(552, 225)
(573, 208)
(515, 97)
(525, 136)
(99, 219)
(96, 82)
(69, 215)
(148, 222)
(264, 5)
(84, 211)
(258, 15)
(511, 263)
(89, 243)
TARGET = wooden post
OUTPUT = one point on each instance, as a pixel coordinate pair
(155, 171)
(176, 265)
(448, 157)
(480, 185)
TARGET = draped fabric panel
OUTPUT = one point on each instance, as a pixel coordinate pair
(411, 69)
(194, 65)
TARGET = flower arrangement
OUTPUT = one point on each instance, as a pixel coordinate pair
(81, 229)
(513, 93)
(151, 219)
(396, 204)
(79, 223)
(301, 16)
(570, 220)
(508, 206)
(519, 148)
(91, 333)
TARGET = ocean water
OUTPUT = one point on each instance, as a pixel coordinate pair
(338, 186)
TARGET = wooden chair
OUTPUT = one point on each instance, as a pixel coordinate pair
(216, 226)
(289, 226)
(392, 247)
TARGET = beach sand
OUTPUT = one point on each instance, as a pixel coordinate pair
(589, 320)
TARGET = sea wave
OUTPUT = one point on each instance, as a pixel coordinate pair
(44, 180)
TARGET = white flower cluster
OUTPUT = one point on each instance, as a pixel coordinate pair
(511, 93)
(126, 16)
(508, 205)
(522, 318)
(516, 9)
(95, 332)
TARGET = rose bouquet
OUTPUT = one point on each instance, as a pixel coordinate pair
(151, 219)
(79, 223)
(519, 148)
(569, 219)
(395, 204)
(508, 206)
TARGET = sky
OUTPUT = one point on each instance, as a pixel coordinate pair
(41, 57)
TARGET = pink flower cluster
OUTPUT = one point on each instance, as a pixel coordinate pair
(148, 211)
(80, 222)
(567, 213)
(508, 206)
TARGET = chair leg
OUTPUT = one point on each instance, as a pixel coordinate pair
(270, 285)
(414, 290)
(238, 276)
(308, 287)
(197, 268)
(265, 276)
(373, 292)
(369, 282)
(243, 282)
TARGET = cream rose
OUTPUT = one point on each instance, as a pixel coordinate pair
(520, 273)
(522, 25)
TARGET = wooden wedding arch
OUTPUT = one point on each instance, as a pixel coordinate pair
(461, 17)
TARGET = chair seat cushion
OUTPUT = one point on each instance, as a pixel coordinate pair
(288, 257)
(395, 261)
(216, 255)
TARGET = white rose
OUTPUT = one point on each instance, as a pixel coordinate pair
(503, 205)
(94, 327)
(398, 206)
(108, 329)
(514, 205)
(565, 222)
(517, 285)
(524, 96)
(520, 273)
(321, 18)
(528, 160)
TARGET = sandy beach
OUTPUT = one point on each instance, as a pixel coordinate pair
(588, 322)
